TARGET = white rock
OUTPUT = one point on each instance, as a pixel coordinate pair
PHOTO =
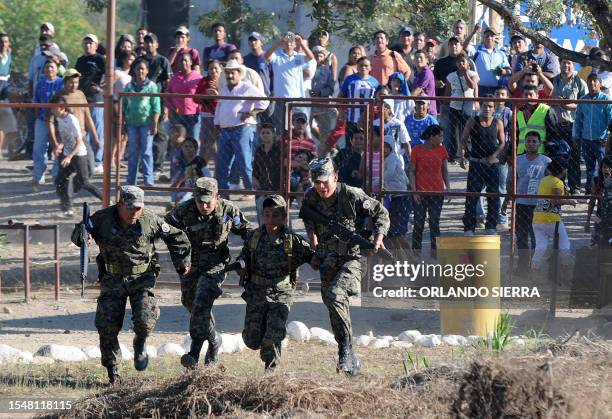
(8, 354)
(125, 352)
(363, 340)
(322, 335)
(231, 342)
(401, 344)
(429, 341)
(387, 337)
(474, 340)
(409, 336)
(380, 343)
(517, 343)
(151, 351)
(62, 353)
(454, 340)
(285, 343)
(26, 357)
(298, 331)
(170, 349)
(92, 352)
(42, 360)
(187, 345)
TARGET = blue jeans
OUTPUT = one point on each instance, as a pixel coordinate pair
(431, 205)
(191, 123)
(140, 146)
(97, 114)
(481, 175)
(593, 153)
(39, 153)
(235, 144)
(503, 178)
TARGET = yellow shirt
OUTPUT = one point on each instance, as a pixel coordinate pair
(546, 212)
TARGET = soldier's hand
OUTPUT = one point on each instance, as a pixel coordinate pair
(183, 270)
(378, 243)
(315, 262)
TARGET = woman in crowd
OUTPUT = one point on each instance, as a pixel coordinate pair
(355, 53)
(122, 78)
(209, 85)
(184, 111)
(424, 83)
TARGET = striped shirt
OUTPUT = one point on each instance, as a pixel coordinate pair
(44, 90)
(355, 87)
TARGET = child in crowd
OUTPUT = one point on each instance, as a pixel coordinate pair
(177, 136)
(348, 160)
(428, 172)
(372, 166)
(395, 179)
(398, 86)
(548, 213)
(196, 167)
(72, 157)
(266, 164)
(300, 178)
(418, 121)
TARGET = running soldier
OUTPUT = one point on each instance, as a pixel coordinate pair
(339, 261)
(125, 234)
(271, 254)
(207, 219)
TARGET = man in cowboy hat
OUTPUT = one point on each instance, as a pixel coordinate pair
(236, 119)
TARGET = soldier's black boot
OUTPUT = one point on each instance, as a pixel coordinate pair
(141, 359)
(212, 353)
(347, 359)
(113, 376)
(190, 359)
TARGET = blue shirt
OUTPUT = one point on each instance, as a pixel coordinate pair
(357, 88)
(486, 62)
(549, 62)
(44, 90)
(257, 63)
(592, 120)
(417, 126)
(288, 78)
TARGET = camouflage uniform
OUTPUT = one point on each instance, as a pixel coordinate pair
(271, 263)
(209, 235)
(340, 266)
(127, 270)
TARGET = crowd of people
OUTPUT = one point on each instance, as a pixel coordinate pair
(241, 132)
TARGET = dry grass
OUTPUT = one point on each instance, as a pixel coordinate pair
(560, 380)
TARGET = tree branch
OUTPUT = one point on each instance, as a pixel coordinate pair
(515, 23)
(600, 10)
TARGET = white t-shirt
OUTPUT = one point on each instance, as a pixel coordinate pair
(396, 133)
(68, 130)
(460, 88)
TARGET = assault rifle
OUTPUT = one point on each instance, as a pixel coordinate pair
(341, 232)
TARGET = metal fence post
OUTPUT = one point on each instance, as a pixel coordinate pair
(26, 262)
(57, 260)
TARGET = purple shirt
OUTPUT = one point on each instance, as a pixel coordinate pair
(425, 80)
(215, 52)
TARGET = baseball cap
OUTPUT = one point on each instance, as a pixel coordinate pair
(206, 189)
(454, 39)
(595, 53)
(321, 169)
(71, 72)
(426, 101)
(274, 201)
(433, 42)
(299, 115)
(181, 30)
(318, 49)
(255, 35)
(406, 29)
(491, 30)
(49, 26)
(517, 36)
(151, 37)
(52, 50)
(132, 196)
(91, 36)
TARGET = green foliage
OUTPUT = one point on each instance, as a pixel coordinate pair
(239, 18)
(501, 336)
(21, 19)
(412, 361)
(358, 20)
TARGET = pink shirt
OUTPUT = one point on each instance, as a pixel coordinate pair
(187, 85)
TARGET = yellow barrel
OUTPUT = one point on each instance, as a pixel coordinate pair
(470, 316)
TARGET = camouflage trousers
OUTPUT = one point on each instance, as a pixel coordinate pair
(115, 290)
(340, 279)
(265, 320)
(198, 294)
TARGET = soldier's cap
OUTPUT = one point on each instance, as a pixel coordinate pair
(205, 189)
(321, 169)
(132, 196)
(274, 201)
